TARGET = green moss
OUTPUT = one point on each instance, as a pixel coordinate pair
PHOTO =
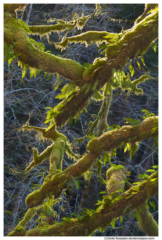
(94, 146)
(18, 231)
(115, 180)
(133, 35)
(146, 222)
(34, 232)
(91, 70)
(113, 169)
(113, 50)
(46, 210)
(15, 32)
(88, 38)
(34, 198)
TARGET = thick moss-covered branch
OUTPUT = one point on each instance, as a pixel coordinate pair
(44, 209)
(112, 139)
(20, 228)
(111, 208)
(115, 178)
(59, 181)
(14, 32)
(134, 43)
(44, 29)
(146, 221)
(107, 142)
(136, 40)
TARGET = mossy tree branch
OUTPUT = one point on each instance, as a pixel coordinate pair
(147, 222)
(108, 141)
(148, 7)
(112, 139)
(115, 178)
(61, 25)
(103, 113)
(55, 151)
(88, 38)
(133, 44)
(109, 210)
(15, 33)
(44, 29)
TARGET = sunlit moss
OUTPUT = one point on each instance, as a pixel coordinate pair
(20, 228)
(134, 34)
(15, 32)
(89, 37)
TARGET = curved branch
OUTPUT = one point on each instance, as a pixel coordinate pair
(134, 43)
(15, 32)
(141, 35)
(112, 139)
(59, 181)
(107, 142)
(111, 209)
(148, 7)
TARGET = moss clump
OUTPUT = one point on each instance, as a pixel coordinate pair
(113, 169)
(115, 179)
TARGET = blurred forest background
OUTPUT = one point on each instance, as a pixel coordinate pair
(29, 96)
